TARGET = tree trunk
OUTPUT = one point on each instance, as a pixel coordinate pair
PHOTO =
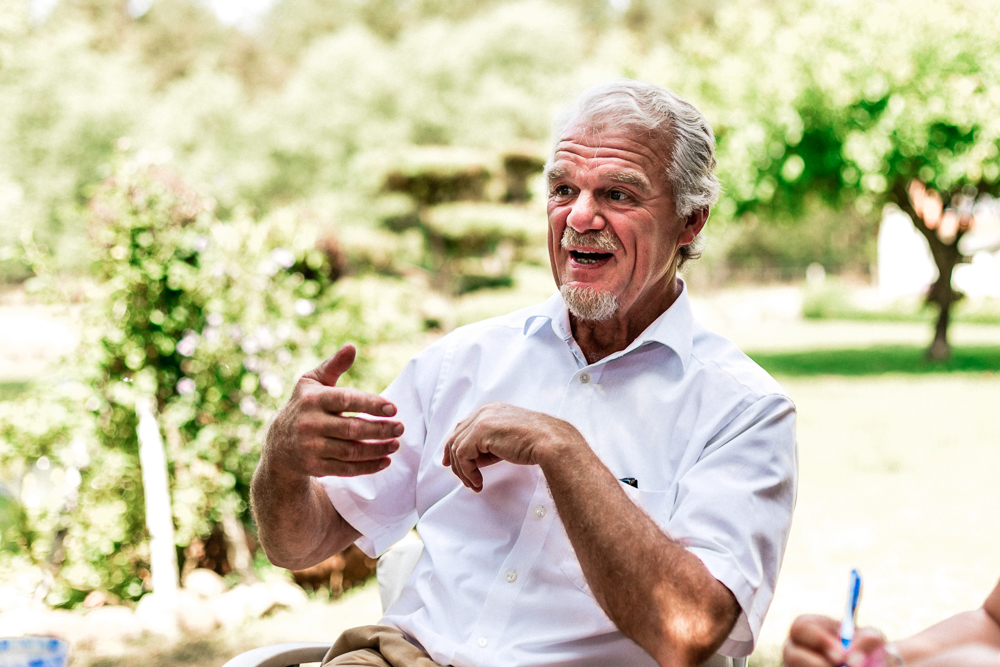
(946, 256)
(940, 350)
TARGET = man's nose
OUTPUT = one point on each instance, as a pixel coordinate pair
(585, 213)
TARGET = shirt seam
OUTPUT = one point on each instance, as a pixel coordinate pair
(758, 395)
(444, 370)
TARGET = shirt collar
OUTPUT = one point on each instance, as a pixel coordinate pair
(673, 328)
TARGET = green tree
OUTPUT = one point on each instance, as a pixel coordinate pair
(109, 22)
(63, 103)
(176, 36)
(859, 105)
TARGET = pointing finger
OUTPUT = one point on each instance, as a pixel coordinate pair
(338, 400)
(352, 429)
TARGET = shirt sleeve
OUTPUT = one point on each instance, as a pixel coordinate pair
(382, 506)
(733, 509)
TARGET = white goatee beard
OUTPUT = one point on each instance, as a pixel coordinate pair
(589, 304)
(583, 302)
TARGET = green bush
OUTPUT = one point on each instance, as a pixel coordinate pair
(214, 319)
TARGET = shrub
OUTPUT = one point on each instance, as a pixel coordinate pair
(213, 319)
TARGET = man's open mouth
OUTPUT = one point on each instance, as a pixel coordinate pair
(584, 257)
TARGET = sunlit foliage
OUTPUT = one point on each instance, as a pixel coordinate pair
(848, 103)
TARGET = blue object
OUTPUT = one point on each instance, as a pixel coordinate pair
(850, 620)
(33, 652)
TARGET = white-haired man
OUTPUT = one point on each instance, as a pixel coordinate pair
(597, 480)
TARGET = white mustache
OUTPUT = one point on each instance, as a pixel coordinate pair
(603, 240)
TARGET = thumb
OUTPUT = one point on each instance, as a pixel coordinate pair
(328, 373)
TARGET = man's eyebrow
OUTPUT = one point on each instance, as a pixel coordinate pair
(630, 178)
(555, 173)
(625, 177)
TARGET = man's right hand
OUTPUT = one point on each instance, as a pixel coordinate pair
(316, 435)
(313, 434)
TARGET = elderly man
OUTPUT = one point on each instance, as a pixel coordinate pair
(597, 480)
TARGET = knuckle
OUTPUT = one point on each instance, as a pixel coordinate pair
(338, 399)
(356, 453)
(354, 429)
(347, 453)
(305, 426)
(310, 400)
(309, 455)
(314, 469)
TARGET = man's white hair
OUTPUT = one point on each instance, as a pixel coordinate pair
(668, 119)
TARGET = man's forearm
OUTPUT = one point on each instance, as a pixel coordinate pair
(297, 525)
(656, 592)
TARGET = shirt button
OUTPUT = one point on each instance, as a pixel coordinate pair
(481, 642)
(584, 377)
(540, 512)
(511, 576)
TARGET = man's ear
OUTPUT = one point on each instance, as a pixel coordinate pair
(693, 224)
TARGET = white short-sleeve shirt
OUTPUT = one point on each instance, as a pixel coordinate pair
(705, 433)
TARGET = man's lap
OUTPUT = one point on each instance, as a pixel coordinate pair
(376, 646)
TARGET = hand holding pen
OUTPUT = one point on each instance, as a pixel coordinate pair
(876, 652)
(815, 641)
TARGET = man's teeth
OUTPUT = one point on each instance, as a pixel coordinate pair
(588, 257)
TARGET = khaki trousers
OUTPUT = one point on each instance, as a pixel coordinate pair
(376, 646)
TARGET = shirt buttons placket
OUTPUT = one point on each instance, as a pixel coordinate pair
(481, 642)
(511, 576)
(540, 512)
(584, 377)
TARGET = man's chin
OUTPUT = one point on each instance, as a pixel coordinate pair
(589, 304)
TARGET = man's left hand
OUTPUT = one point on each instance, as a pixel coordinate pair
(503, 432)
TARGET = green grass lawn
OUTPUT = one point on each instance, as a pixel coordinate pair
(877, 360)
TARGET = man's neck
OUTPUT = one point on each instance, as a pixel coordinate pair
(599, 339)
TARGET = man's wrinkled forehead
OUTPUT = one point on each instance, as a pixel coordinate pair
(660, 140)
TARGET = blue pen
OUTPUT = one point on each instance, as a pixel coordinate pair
(851, 611)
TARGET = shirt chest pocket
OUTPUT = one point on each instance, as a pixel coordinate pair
(656, 504)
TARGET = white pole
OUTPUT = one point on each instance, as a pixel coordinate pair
(159, 517)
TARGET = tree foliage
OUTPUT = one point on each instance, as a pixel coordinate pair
(848, 103)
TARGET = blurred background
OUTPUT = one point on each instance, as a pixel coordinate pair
(201, 200)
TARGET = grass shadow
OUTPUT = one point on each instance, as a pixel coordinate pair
(877, 360)
(152, 653)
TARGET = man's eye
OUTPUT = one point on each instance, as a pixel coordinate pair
(617, 195)
(562, 190)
